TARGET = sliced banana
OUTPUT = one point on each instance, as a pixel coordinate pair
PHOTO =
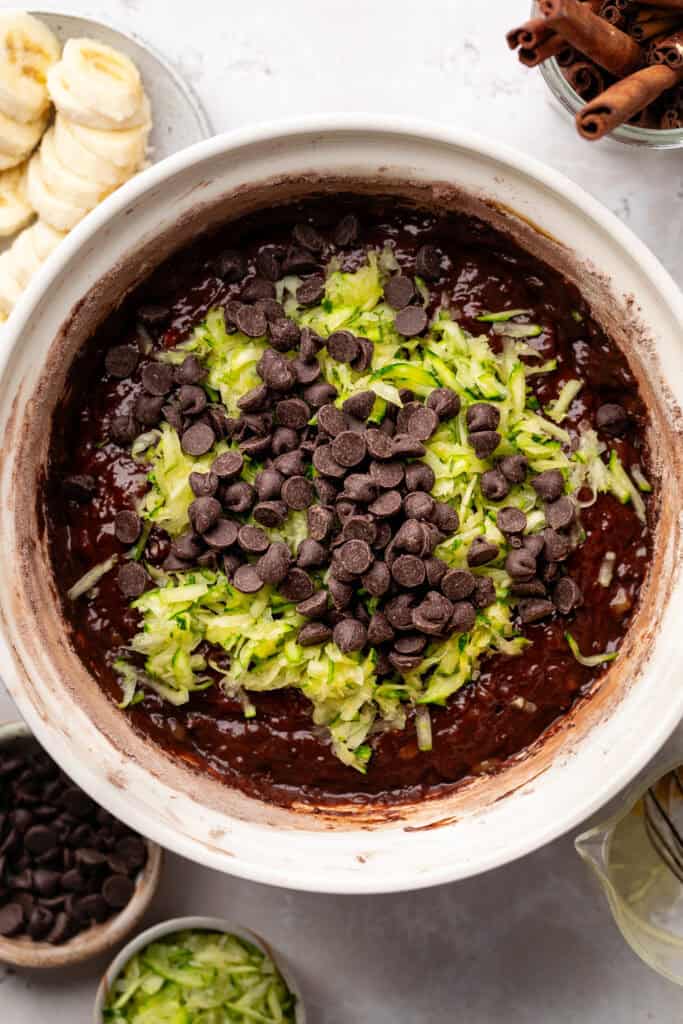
(15, 209)
(60, 213)
(45, 239)
(10, 289)
(64, 182)
(124, 148)
(96, 86)
(72, 153)
(23, 259)
(28, 49)
(18, 139)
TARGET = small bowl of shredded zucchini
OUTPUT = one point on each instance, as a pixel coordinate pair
(197, 970)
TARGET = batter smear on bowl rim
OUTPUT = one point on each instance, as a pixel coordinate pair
(349, 499)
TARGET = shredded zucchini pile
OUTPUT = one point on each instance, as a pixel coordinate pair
(258, 632)
(200, 977)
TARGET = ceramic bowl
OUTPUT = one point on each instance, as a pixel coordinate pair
(578, 764)
(25, 952)
(177, 924)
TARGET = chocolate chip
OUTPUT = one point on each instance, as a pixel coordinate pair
(567, 595)
(403, 446)
(297, 493)
(123, 429)
(457, 584)
(419, 505)
(296, 586)
(40, 838)
(360, 405)
(422, 423)
(238, 497)
(284, 334)
(331, 420)
(291, 463)
(445, 402)
(359, 527)
(411, 321)
(548, 485)
(270, 513)
(221, 424)
(268, 263)
(256, 288)
(190, 371)
(463, 618)
(611, 419)
(494, 486)
(520, 564)
(278, 374)
(346, 231)
(361, 488)
(157, 378)
(445, 518)
(314, 633)
(411, 538)
(555, 546)
(482, 416)
(534, 544)
(117, 891)
(326, 490)
(511, 520)
(255, 400)
(411, 643)
(274, 565)
(251, 539)
(560, 514)
(343, 346)
(268, 484)
(121, 361)
(419, 477)
(308, 237)
(409, 571)
(225, 467)
(203, 513)
(311, 554)
(187, 546)
(40, 922)
(132, 579)
(533, 609)
(11, 919)
(345, 509)
(377, 580)
(326, 464)
(356, 556)
(380, 630)
(255, 447)
(148, 409)
(313, 607)
(198, 439)
(404, 663)
(529, 588)
(231, 266)
(387, 475)
(311, 290)
(387, 505)
(293, 413)
(320, 521)
(436, 570)
(363, 360)
(481, 551)
(433, 614)
(247, 580)
(379, 445)
(484, 443)
(348, 448)
(350, 635)
(428, 263)
(340, 592)
(284, 439)
(127, 526)
(399, 291)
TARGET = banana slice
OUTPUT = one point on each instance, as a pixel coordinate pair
(72, 153)
(18, 139)
(97, 86)
(10, 289)
(45, 239)
(23, 259)
(60, 213)
(124, 148)
(15, 209)
(64, 182)
(27, 51)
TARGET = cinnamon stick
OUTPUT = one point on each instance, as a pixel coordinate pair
(587, 80)
(646, 30)
(530, 34)
(623, 100)
(668, 51)
(613, 14)
(671, 119)
(532, 56)
(608, 46)
(672, 5)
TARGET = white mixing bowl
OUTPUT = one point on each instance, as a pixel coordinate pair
(584, 759)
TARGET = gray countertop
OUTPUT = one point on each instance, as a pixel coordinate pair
(533, 942)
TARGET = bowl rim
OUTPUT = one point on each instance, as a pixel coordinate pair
(92, 941)
(585, 800)
(198, 922)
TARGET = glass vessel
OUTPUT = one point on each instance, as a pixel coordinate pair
(637, 856)
(632, 135)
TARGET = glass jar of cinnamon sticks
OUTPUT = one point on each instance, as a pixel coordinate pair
(615, 65)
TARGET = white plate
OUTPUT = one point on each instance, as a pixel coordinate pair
(178, 118)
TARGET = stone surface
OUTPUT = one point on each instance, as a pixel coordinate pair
(531, 942)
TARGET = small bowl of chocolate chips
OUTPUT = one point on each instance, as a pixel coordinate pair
(74, 881)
